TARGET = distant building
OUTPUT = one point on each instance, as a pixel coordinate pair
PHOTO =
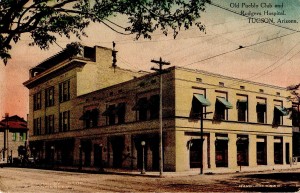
(13, 133)
(83, 110)
(295, 116)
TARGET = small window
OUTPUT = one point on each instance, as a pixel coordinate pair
(278, 93)
(221, 84)
(261, 90)
(64, 121)
(49, 97)
(64, 91)
(242, 87)
(199, 79)
(37, 101)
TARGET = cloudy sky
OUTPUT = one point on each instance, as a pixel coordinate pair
(270, 52)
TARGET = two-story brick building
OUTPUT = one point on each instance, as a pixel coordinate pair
(13, 134)
(82, 111)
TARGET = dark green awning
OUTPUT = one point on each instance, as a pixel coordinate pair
(282, 110)
(202, 99)
(226, 103)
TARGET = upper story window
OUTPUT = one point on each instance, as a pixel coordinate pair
(295, 115)
(279, 112)
(242, 108)
(64, 121)
(64, 91)
(121, 112)
(14, 136)
(261, 110)
(37, 126)
(49, 97)
(49, 124)
(221, 107)
(141, 106)
(110, 113)
(90, 117)
(37, 101)
(154, 106)
(22, 136)
(199, 102)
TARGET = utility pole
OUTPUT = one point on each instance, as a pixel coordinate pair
(5, 148)
(160, 63)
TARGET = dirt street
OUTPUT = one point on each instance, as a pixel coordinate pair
(35, 180)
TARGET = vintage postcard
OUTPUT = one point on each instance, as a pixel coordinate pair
(150, 96)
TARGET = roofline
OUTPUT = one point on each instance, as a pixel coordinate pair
(229, 77)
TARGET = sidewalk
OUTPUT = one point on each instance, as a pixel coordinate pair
(191, 172)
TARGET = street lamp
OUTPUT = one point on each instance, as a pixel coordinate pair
(33, 151)
(52, 151)
(201, 138)
(101, 164)
(143, 143)
(80, 157)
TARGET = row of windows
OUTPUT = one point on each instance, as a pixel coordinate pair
(64, 123)
(64, 95)
(19, 136)
(115, 114)
(118, 112)
(222, 105)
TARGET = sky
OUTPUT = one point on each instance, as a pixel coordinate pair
(270, 52)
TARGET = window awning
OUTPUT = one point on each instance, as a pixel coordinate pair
(226, 103)
(282, 110)
(202, 99)
(110, 110)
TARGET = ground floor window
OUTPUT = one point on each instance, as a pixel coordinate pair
(242, 146)
(221, 151)
(195, 156)
(278, 151)
(261, 153)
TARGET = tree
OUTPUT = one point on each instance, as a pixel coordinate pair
(45, 19)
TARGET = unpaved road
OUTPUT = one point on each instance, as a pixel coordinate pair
(36, 180)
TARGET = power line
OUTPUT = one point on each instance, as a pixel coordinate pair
(239, 48)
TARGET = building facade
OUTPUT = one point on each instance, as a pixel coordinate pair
(84, 112)
(13, 135)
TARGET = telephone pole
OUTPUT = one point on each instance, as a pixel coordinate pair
(160, 71)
